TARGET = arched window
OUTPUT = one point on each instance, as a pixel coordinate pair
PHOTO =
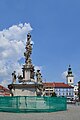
(70, 80)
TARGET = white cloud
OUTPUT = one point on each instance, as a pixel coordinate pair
(64, 74)
(38, 68)
(4, 82)
(12, 47)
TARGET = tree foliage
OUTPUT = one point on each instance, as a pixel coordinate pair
(53, 94)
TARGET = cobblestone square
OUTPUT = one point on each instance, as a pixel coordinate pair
(72, 113)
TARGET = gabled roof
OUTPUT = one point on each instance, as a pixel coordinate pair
(57, 85)
(3, 88)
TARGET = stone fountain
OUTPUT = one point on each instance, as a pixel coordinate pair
(30, 83)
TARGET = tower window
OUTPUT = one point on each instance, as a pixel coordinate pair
(70, 81)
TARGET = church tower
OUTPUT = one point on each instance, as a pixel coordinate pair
(70, 77)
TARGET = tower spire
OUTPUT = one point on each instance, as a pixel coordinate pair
(69, 70)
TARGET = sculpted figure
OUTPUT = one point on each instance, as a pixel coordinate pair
(38, 76)
(14, 77)
(32, 72)
(28, 48)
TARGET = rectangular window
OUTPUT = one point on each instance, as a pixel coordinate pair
(63, 94)
(56, 89)
(67, 93)
(67, 90)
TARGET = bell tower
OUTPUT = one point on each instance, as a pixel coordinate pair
(70, 77)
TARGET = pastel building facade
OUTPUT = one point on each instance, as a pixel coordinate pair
(61, 89)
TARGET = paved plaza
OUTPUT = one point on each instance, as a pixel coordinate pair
(72, 113)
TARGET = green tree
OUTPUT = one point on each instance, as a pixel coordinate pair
(53, 94)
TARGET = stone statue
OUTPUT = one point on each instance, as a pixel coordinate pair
(32, 73)
(29, 51)
(28, 36)
(29, 62)
(14, 77)
(39, 76)
(28, 48)
(30, 81)
(19, 77)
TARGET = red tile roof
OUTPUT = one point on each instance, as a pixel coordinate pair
(4, 91)
(62, 85)
(57, 85)
(48, 84)
(2, 87)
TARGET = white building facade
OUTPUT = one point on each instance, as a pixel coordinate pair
(76, 91)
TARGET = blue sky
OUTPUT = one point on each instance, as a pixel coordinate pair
(56, 33)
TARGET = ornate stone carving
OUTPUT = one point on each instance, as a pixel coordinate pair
(14, 77)
(39, 76)
(28, 48)
(32, 72)
(28, 79)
